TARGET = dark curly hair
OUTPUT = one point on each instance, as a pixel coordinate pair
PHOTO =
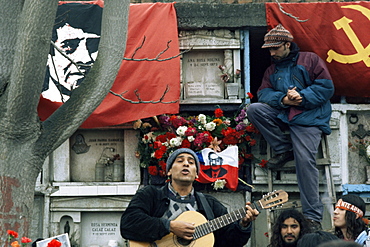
(354, 226)
(276, 239)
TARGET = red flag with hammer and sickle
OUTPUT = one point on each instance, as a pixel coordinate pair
(338, 32)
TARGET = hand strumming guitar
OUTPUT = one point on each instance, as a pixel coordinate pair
(250, 215)
(182, 229)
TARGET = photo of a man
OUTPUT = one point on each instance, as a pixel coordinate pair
(215, 163)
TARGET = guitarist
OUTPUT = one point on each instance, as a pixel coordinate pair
(152, 211)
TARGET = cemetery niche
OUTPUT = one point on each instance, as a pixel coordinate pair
(211, 67)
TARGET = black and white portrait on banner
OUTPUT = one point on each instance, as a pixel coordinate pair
(76, 35)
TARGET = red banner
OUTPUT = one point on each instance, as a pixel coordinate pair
(337, 32)
(143, 88)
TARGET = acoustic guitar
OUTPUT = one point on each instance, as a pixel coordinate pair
(203, 235)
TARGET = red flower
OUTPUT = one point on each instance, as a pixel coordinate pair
(25, 240)
(191, 131)
(204, 138)
(158, 154)
(219, 113)
(157, 144)
(250, 95)
(241, 160)
(54, 243)
(161, 138)
(252, 142)
(177, 121)
(263, 163)
(153, 170)
(170, 135)
(12, 233)
(185, 143)
(162, 173)
(248, 156)
(162, 165)
(225, 77)
(250, 128)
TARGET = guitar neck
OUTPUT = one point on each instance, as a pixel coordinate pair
(222, 221)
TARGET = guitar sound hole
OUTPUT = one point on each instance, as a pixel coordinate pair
(183, 242)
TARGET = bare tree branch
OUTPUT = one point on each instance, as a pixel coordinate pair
(288, 14)
(138, 48)
(157, 57)
(140, 101)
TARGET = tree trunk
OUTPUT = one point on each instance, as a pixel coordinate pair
(25, 142)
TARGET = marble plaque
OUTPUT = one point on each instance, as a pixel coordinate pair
(201, 75)
(99, 228)
(88, 147)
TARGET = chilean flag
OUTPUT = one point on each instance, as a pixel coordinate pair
(219, 165)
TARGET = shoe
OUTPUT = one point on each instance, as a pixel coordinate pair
(279, 160)
(314, 225)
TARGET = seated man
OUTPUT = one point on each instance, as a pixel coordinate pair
(289, 227)
(294, 95)
(152, 212)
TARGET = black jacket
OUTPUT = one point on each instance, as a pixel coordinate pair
(142, 220)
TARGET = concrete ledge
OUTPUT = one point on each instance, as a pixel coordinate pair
(95, 188)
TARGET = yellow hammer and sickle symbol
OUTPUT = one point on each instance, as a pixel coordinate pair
(362, 53)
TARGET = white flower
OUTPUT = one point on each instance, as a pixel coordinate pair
(368, 151)
(181, 130)
(191, 138)
(202, 118)
(227, 121)
(148, 137)
(246, 121)
(219, 184)
(175, 142)
(210, 126)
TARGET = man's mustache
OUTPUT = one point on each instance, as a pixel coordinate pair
(289, 235)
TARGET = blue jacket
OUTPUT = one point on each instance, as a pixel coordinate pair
(308, 72)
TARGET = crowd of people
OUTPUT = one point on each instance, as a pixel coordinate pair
(155, 216)
(294, 96)
(350, 227)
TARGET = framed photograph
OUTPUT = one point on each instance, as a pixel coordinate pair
(63, 238)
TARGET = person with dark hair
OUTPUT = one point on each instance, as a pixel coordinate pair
(156, 213)
(76, 37)
(315, 238)
(289, 227)
(339, 243)
(349, 220)
(294, 96)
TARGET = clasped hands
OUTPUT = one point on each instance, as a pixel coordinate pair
(292, 97)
